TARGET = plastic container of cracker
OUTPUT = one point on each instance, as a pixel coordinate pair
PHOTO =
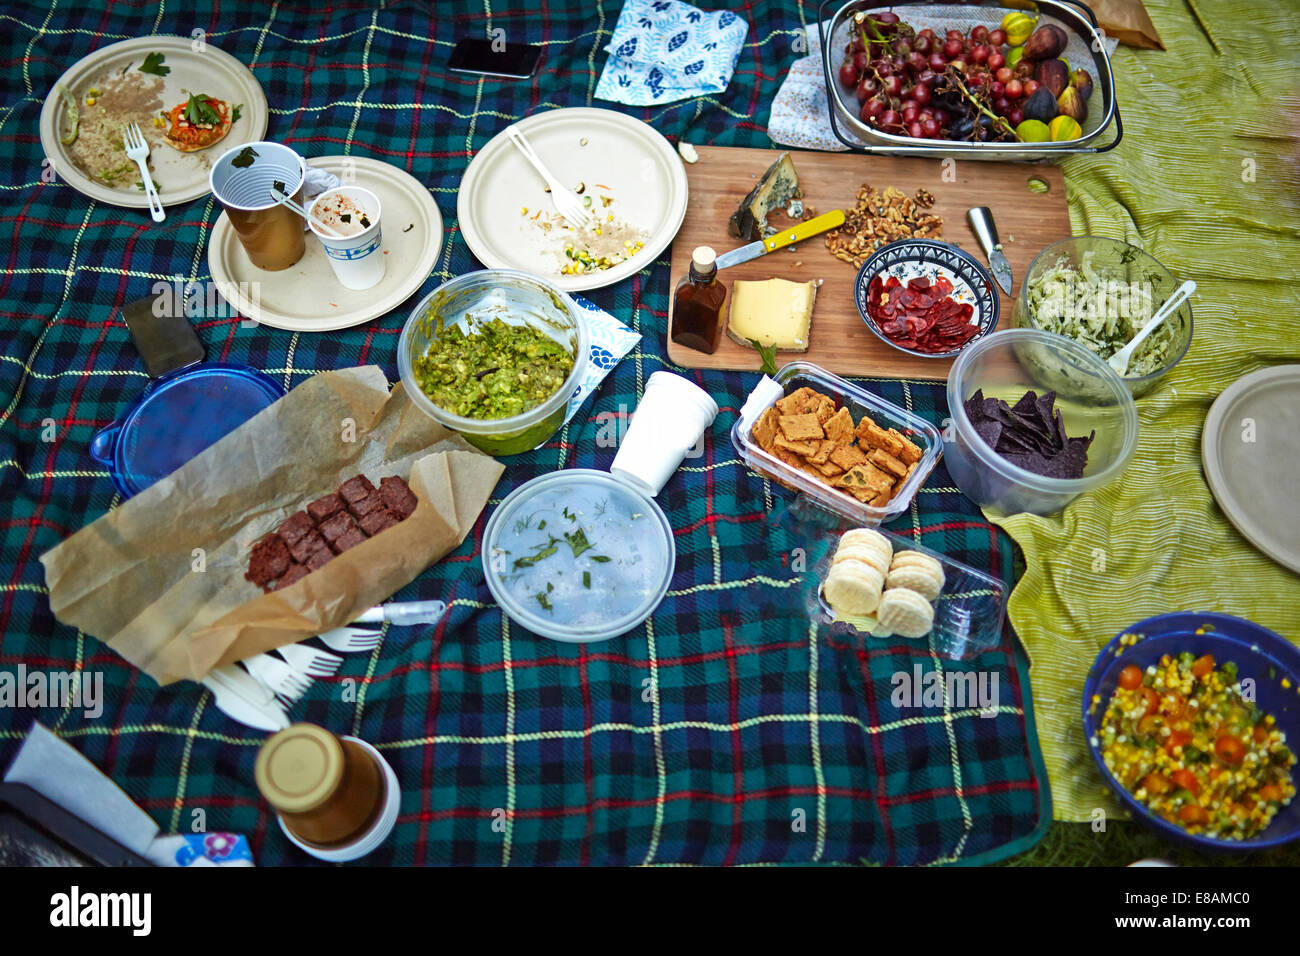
(968, 613)
(859, 402)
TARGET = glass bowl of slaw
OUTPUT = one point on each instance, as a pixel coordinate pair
(1099, 292)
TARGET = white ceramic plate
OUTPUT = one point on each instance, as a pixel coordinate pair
(181, 177)
(642, 170)
(1250, 449)
(307, 297)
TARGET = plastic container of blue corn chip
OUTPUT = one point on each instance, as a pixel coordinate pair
(859, 402)
(968, 613)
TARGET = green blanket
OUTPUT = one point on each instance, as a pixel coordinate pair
(1207, 180)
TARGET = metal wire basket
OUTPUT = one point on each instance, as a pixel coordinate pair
(1075, 17)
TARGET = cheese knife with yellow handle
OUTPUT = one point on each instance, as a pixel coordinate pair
(786, 237)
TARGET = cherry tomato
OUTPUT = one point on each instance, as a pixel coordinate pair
(1187, 780)
(1270, 792)
(1203, 666)
(1178, 738)
(1261, 734)
(1157, 783)
(1193, 814)
(1152, 699)
(1230, 750)
(1149, 724)
(1130, 678)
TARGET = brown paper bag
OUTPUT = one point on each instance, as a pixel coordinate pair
(1128, 22)
(161, 578)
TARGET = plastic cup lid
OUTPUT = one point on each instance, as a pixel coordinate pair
(178, 417)
(578, 556)
(298, 768)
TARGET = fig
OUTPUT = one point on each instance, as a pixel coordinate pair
(1046, 43)
(1041, 106)
(1054, 75)
(1033, 131)
(1071, 104)
(1064, 128)
(1082, 81)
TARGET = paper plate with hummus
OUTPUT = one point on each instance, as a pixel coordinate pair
(186, 96)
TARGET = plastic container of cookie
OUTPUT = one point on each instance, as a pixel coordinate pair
(968, 613)
(815, 491)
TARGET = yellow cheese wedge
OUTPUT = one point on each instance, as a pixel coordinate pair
(772, 312)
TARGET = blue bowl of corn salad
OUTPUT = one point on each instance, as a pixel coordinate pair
(1193, 719)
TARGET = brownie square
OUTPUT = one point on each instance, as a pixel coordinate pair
(267, 560)
(354, 489)
(348, 539)
(295, 573)
(319, 558)
(295, 527)
(363, 506)
(305, 545)
(322, 508)
(377, 520)
(335, 525)
(397, 497)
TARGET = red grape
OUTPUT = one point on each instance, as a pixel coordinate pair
(893, 86)
(848, 75)
(914, 129)
(938, 62)
(997, 89)
(927, 77)
(930, 128)
(868, 88)
(1031, 87)
(1015, 89)
(1016, 116)
(979, 34)
(916, 62)
(980, 54)
(1001, 105)
(872, 110)
(1004, 75)
(921, 94)
(998, 37)
(996, 60)
(923, 45)
(890, 119)
(860, 61)
(953, 35)
(910, 113)
(952, 49)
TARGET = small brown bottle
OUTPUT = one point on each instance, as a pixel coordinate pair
(697, 304)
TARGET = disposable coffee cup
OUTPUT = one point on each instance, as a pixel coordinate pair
(241, 180)
(336, 797)
(669, 421)
(357, 255)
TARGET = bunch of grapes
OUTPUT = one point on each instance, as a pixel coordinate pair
(918, 84)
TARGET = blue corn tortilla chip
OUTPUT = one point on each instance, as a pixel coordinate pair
(1031, 434)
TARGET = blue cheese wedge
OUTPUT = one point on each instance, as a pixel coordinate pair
(779, 185)
(772, 312)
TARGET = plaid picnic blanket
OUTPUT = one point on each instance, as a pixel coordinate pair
(727, 729)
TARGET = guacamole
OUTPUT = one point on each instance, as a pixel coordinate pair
(497, 371)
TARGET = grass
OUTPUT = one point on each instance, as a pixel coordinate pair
(1123, 842)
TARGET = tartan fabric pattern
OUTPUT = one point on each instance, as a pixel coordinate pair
(724, 730)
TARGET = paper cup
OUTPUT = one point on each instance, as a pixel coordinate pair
(669, 420)
(373, 837)
(357, 257)
(270, 233)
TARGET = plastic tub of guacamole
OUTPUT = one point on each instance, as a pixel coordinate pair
(495, 355)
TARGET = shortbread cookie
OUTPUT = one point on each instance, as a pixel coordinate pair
(915, 577)
(905, 613)
(853, 588)
(868, 538)
(867, 556)
(920, 560)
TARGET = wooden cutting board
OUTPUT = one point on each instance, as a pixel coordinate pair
(1027, 222)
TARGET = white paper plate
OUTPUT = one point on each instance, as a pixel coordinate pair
(1250, 449)
(308, 297)
(182, 177)
(643, 171)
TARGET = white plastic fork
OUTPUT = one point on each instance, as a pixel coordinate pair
(284, 681)
(351, 640)
(567, 203)
(138, 149)
(1119, 361)
(310, 661)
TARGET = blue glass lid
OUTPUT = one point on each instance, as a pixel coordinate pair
(176, 418)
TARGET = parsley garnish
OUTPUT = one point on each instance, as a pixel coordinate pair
(578, 541)
(153, 63)
(245, 158)
(198, 112)
(234, 114)
(586, 579)
(600, 558)
(543, 600)
(539, 552)
(345, 217)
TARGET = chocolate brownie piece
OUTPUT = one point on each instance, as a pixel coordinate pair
(295, 573)
(322, 508)
(354, 489)
(335, 525)
(304, 546)
(319, 558)
(397, 497)
(363, 506)
(348, 539)
(267, 560)
(295, 527)
(377, 520)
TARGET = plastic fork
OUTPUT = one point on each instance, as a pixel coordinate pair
(566, 201)
(243, 699)
(310, 661)
(351, 640)
(1119, 361)
(138, 149)
(284, 681)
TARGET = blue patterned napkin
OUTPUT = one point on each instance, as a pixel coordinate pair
(610, 341)
(663, 51)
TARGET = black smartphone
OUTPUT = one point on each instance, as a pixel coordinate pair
(163, 335)
(494, 58)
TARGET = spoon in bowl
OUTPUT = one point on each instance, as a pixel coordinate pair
(284, 200)
(1119, 361)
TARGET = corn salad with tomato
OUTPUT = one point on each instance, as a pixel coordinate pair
(1182, 739)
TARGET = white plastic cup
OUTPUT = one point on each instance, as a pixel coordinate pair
(669, 420)
(370, 840)
(357, 259)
